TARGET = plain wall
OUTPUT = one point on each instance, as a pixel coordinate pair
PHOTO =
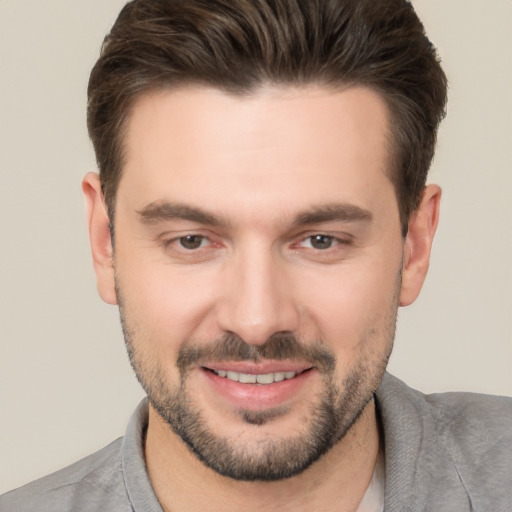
(66, 387)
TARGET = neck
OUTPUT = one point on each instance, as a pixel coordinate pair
(337, 481)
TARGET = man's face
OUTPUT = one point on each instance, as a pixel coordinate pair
(257, 259)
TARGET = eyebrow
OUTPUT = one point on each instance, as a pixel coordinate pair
(162, 211)
(335, 212)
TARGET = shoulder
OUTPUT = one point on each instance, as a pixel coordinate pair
(474, 422)
(92, 483)
(477, 432)
(457, 440)
(477, 421)
(469, 416)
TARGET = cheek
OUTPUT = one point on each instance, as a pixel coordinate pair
(352, 303)
(166, 304)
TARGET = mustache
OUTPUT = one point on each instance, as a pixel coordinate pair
(280, 346)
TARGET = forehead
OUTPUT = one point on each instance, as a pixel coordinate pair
(276, 144)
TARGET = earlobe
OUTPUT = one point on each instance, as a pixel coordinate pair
(418, 243)
(100, 237)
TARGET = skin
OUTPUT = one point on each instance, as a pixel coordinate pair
(261, 165)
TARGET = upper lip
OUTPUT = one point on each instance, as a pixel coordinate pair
(260, 368)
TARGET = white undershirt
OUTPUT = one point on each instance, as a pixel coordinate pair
(373, 499)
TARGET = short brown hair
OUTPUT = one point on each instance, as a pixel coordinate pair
(238, 45)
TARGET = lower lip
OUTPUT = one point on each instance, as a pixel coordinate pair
(256, 397)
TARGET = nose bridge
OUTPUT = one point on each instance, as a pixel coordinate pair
(257, 302)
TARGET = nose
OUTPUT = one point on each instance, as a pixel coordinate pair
(257, 299)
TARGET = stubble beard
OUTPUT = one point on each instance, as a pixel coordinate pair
(331, 415)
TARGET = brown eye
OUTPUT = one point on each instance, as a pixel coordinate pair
(191, 242)
(321, 241)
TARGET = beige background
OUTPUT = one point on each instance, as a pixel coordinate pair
(66, 388)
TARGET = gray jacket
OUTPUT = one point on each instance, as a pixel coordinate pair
(449, 452)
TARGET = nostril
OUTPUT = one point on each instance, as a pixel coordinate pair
(257, 306)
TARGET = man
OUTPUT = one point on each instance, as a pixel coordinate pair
(260, 214)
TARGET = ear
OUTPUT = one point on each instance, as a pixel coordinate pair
(416, 256)
(99, 235)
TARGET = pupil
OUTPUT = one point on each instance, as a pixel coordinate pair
(191, 241)
(321, 242)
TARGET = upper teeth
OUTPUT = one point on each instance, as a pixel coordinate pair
(247, 378)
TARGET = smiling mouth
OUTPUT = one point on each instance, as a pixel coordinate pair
(261, 378)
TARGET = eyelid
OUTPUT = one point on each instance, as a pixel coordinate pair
(203, 242)
(175, 239)
(169, 241)
(335, 242)
(342, 238)
(172, 235)
(338, 251)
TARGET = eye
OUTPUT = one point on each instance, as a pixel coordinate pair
(320, 241)
(191, 242)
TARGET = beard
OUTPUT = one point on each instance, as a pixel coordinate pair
(331, 414)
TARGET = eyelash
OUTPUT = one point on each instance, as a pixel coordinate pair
(332, 240)
(179, 242)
